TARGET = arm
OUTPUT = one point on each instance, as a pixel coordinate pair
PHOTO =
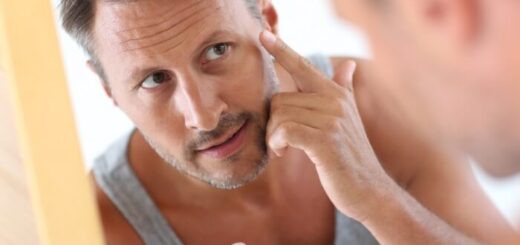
(322, 120)
(399, 219)
(446, 185)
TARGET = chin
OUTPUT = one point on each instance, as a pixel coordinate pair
(237, 174)
(501, 169)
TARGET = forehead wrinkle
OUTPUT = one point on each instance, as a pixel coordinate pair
(188, 27)
(171, 26)
(189, 23)
(165, 16)
(175, 36)
(151, 35)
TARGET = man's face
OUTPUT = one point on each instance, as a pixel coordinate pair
(192, 77)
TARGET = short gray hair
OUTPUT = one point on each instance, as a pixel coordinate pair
(77, 17)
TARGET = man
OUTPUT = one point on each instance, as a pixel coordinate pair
(451, 67)
(207, 99)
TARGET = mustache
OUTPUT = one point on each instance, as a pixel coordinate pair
(226, 122)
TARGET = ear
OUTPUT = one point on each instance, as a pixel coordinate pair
(106, 87)
(455, 21)
(269, 15)
(458, 18)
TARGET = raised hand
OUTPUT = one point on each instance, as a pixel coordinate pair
(322, 120)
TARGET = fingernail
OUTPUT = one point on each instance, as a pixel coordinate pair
(269, 37)
(353, 66)
(278, 153)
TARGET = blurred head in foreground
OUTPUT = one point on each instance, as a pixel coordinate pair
(452, 67)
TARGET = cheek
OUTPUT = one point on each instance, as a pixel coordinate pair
(246, 92)
(247, 83)
(156, 122)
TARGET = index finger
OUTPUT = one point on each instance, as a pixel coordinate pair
(306, 76)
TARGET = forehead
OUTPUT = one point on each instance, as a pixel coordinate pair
(158, 24)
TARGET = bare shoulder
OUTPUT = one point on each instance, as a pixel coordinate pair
(116, 229)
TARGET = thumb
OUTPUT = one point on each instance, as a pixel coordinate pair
(344, 74)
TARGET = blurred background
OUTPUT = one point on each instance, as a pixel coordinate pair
(309, 26)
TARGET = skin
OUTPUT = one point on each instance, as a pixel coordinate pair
(451, 69)
(327, 146)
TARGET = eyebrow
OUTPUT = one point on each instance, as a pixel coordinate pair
(212, 37)
(136, 75)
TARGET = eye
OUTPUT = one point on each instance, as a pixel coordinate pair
(155, 80)
(216, 52)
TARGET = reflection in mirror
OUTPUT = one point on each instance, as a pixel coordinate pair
(194, 80)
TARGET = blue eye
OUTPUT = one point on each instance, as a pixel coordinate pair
(216, 51)
(155, 80)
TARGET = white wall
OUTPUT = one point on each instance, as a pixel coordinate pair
(309, 26)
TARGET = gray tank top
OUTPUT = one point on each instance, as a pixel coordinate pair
(116, 178)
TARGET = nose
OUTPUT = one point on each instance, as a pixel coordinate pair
(200, 104)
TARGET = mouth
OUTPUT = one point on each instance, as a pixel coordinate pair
(228, 145)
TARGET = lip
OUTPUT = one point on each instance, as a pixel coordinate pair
(228, 145)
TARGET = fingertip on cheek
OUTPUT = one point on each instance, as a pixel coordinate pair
(273, 154)
(268, 38)
(274, 147)
(279, 152)
(352, 69)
